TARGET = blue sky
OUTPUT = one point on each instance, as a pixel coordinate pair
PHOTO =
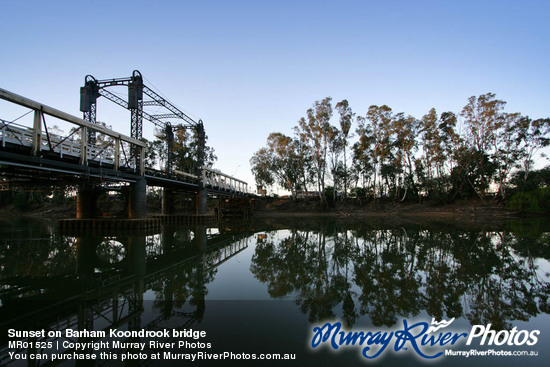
(248, 68)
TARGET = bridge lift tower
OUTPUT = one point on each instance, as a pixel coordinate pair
(140, 96)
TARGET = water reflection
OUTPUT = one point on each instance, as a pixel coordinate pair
(329, 270)
(104, 281)
(387, 274)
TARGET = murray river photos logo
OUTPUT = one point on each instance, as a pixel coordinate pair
(428, 341)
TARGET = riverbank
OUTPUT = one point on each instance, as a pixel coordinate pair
(45, 210)
(463, 210)
(459, 210)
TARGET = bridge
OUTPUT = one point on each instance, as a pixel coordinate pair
(92, 155)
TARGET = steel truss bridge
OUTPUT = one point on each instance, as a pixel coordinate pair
(92, 152)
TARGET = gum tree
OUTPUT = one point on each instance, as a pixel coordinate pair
(315, 130)
(346, 117)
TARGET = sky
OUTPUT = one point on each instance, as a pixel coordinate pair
(249, 68)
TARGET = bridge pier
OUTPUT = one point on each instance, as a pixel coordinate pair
(137, 201)
(168, 207)
(202, 200)
(88, 194)
(86, 201)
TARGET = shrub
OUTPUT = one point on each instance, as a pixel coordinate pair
(534, 201)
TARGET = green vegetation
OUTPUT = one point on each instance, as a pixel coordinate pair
(534, 201)
(480, 152)
(184, 150)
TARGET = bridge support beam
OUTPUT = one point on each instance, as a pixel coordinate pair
(168, 207)
(86, 201)
(37, 133)
(137, 202)
(202, 200)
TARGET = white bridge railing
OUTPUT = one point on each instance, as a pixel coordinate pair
(20, 135)
(221, 181)
(214, 179)
(113, 151)
(114, 148)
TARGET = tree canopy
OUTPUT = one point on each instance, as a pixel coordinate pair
(473, 153)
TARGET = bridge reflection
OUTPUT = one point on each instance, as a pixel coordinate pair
(116, 278)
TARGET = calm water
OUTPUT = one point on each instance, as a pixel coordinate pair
(261, 287)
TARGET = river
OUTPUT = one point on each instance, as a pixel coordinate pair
(274, 289)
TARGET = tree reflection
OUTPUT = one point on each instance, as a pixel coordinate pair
(30, 249)
(487, 277)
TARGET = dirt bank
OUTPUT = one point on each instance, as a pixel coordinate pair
(46, 210)
(459, 210)
(467, 210)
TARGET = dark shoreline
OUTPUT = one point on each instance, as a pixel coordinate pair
(463, 209)
(467, 210)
